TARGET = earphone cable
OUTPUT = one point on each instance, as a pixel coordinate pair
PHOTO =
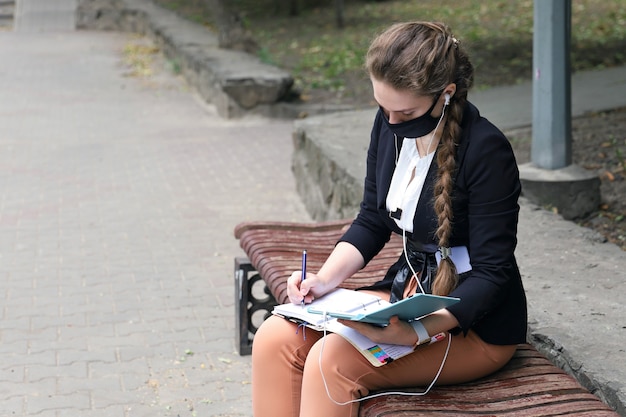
(325, 315)
(380, 394)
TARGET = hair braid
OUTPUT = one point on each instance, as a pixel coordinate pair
(447, 278)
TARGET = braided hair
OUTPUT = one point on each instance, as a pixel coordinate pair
(424, 58)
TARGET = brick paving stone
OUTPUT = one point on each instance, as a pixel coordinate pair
(118, 198)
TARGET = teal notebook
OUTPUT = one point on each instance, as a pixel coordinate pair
(408, 309)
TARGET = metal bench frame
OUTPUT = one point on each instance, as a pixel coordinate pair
(248, 304)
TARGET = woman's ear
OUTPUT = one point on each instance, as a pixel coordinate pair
(449, 91)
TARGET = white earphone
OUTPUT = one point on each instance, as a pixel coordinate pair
(447, 98)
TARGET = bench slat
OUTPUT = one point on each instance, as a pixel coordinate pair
(529, 385)
(275, 251)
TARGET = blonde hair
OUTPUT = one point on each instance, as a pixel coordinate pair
(424, 58)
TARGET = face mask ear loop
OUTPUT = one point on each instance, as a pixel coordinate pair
(432, 136)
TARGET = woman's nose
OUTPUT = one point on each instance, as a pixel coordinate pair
(394, 118)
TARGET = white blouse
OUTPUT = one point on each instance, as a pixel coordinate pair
(406, 188)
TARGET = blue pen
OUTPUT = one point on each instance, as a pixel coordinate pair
(303, 270)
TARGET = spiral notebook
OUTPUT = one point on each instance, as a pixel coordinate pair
(322, 314)
(411, 308)
(341, 301)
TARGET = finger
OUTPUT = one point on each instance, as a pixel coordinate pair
(305, 287)
(348, 323)
(293, 289)
(359, 327)
(295, 278)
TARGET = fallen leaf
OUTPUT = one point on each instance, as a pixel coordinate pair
(609, 175)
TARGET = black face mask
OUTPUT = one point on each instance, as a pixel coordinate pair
(415, 128)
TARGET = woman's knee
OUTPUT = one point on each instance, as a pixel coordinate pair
(278, 339)
(332, 376)
(270, 334)
(325, 354)
(335, 360)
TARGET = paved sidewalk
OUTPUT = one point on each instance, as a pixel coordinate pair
(510, 107)
(118, 197)
(37, 16)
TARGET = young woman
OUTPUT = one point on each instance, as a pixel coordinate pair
(445, 179)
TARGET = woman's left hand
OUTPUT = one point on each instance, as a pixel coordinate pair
(397, 332)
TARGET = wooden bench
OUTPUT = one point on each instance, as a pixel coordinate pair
(529, 385)
(274, 251)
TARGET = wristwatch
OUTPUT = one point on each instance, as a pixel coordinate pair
(422, 333)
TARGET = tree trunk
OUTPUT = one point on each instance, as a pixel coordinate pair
(339, 13)
(293, 8)
(231, 31)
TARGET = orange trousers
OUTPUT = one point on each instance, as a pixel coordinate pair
(288, 370)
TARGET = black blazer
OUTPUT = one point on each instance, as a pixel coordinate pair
(485, 206)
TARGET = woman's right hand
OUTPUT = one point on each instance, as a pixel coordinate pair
(343, 261)
(309, 289)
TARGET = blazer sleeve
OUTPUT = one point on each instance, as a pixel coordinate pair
(490, 178)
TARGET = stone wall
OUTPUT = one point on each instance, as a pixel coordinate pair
(329, 166)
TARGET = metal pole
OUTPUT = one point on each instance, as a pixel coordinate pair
(551, 146)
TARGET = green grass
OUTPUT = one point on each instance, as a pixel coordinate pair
(497, 33)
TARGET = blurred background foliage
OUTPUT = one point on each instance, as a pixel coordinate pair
(302, 36)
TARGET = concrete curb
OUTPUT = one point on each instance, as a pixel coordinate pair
(236, 83)
(574, 282)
